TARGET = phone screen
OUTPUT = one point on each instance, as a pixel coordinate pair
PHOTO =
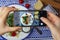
(28, 18)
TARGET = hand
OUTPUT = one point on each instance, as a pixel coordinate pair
(53, 22)
(4, 11)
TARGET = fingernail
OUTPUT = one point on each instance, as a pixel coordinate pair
(41, 17)
(13, 7)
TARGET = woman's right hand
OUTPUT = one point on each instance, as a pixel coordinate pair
(53, 22)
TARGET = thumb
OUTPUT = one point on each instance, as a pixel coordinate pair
(10, 29)
(49, 23)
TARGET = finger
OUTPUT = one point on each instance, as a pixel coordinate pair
(10, 29)
(52, 17)
(49, 24)
(1, 10)
(6, 12)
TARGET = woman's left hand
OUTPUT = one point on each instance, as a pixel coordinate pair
(4, 12)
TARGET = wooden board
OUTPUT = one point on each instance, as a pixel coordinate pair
(53, 3)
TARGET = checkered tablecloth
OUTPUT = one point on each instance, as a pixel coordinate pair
(34, 35)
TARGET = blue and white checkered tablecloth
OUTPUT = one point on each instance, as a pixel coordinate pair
(34, 35)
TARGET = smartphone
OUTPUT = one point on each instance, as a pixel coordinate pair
(29, 18)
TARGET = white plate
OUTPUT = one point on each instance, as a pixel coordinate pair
(30, 19)
(22, 35)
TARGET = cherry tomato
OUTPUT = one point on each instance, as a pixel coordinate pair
(21, 1)
(13, 34)
(27, 5)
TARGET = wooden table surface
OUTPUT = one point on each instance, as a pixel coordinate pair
(53, 3)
